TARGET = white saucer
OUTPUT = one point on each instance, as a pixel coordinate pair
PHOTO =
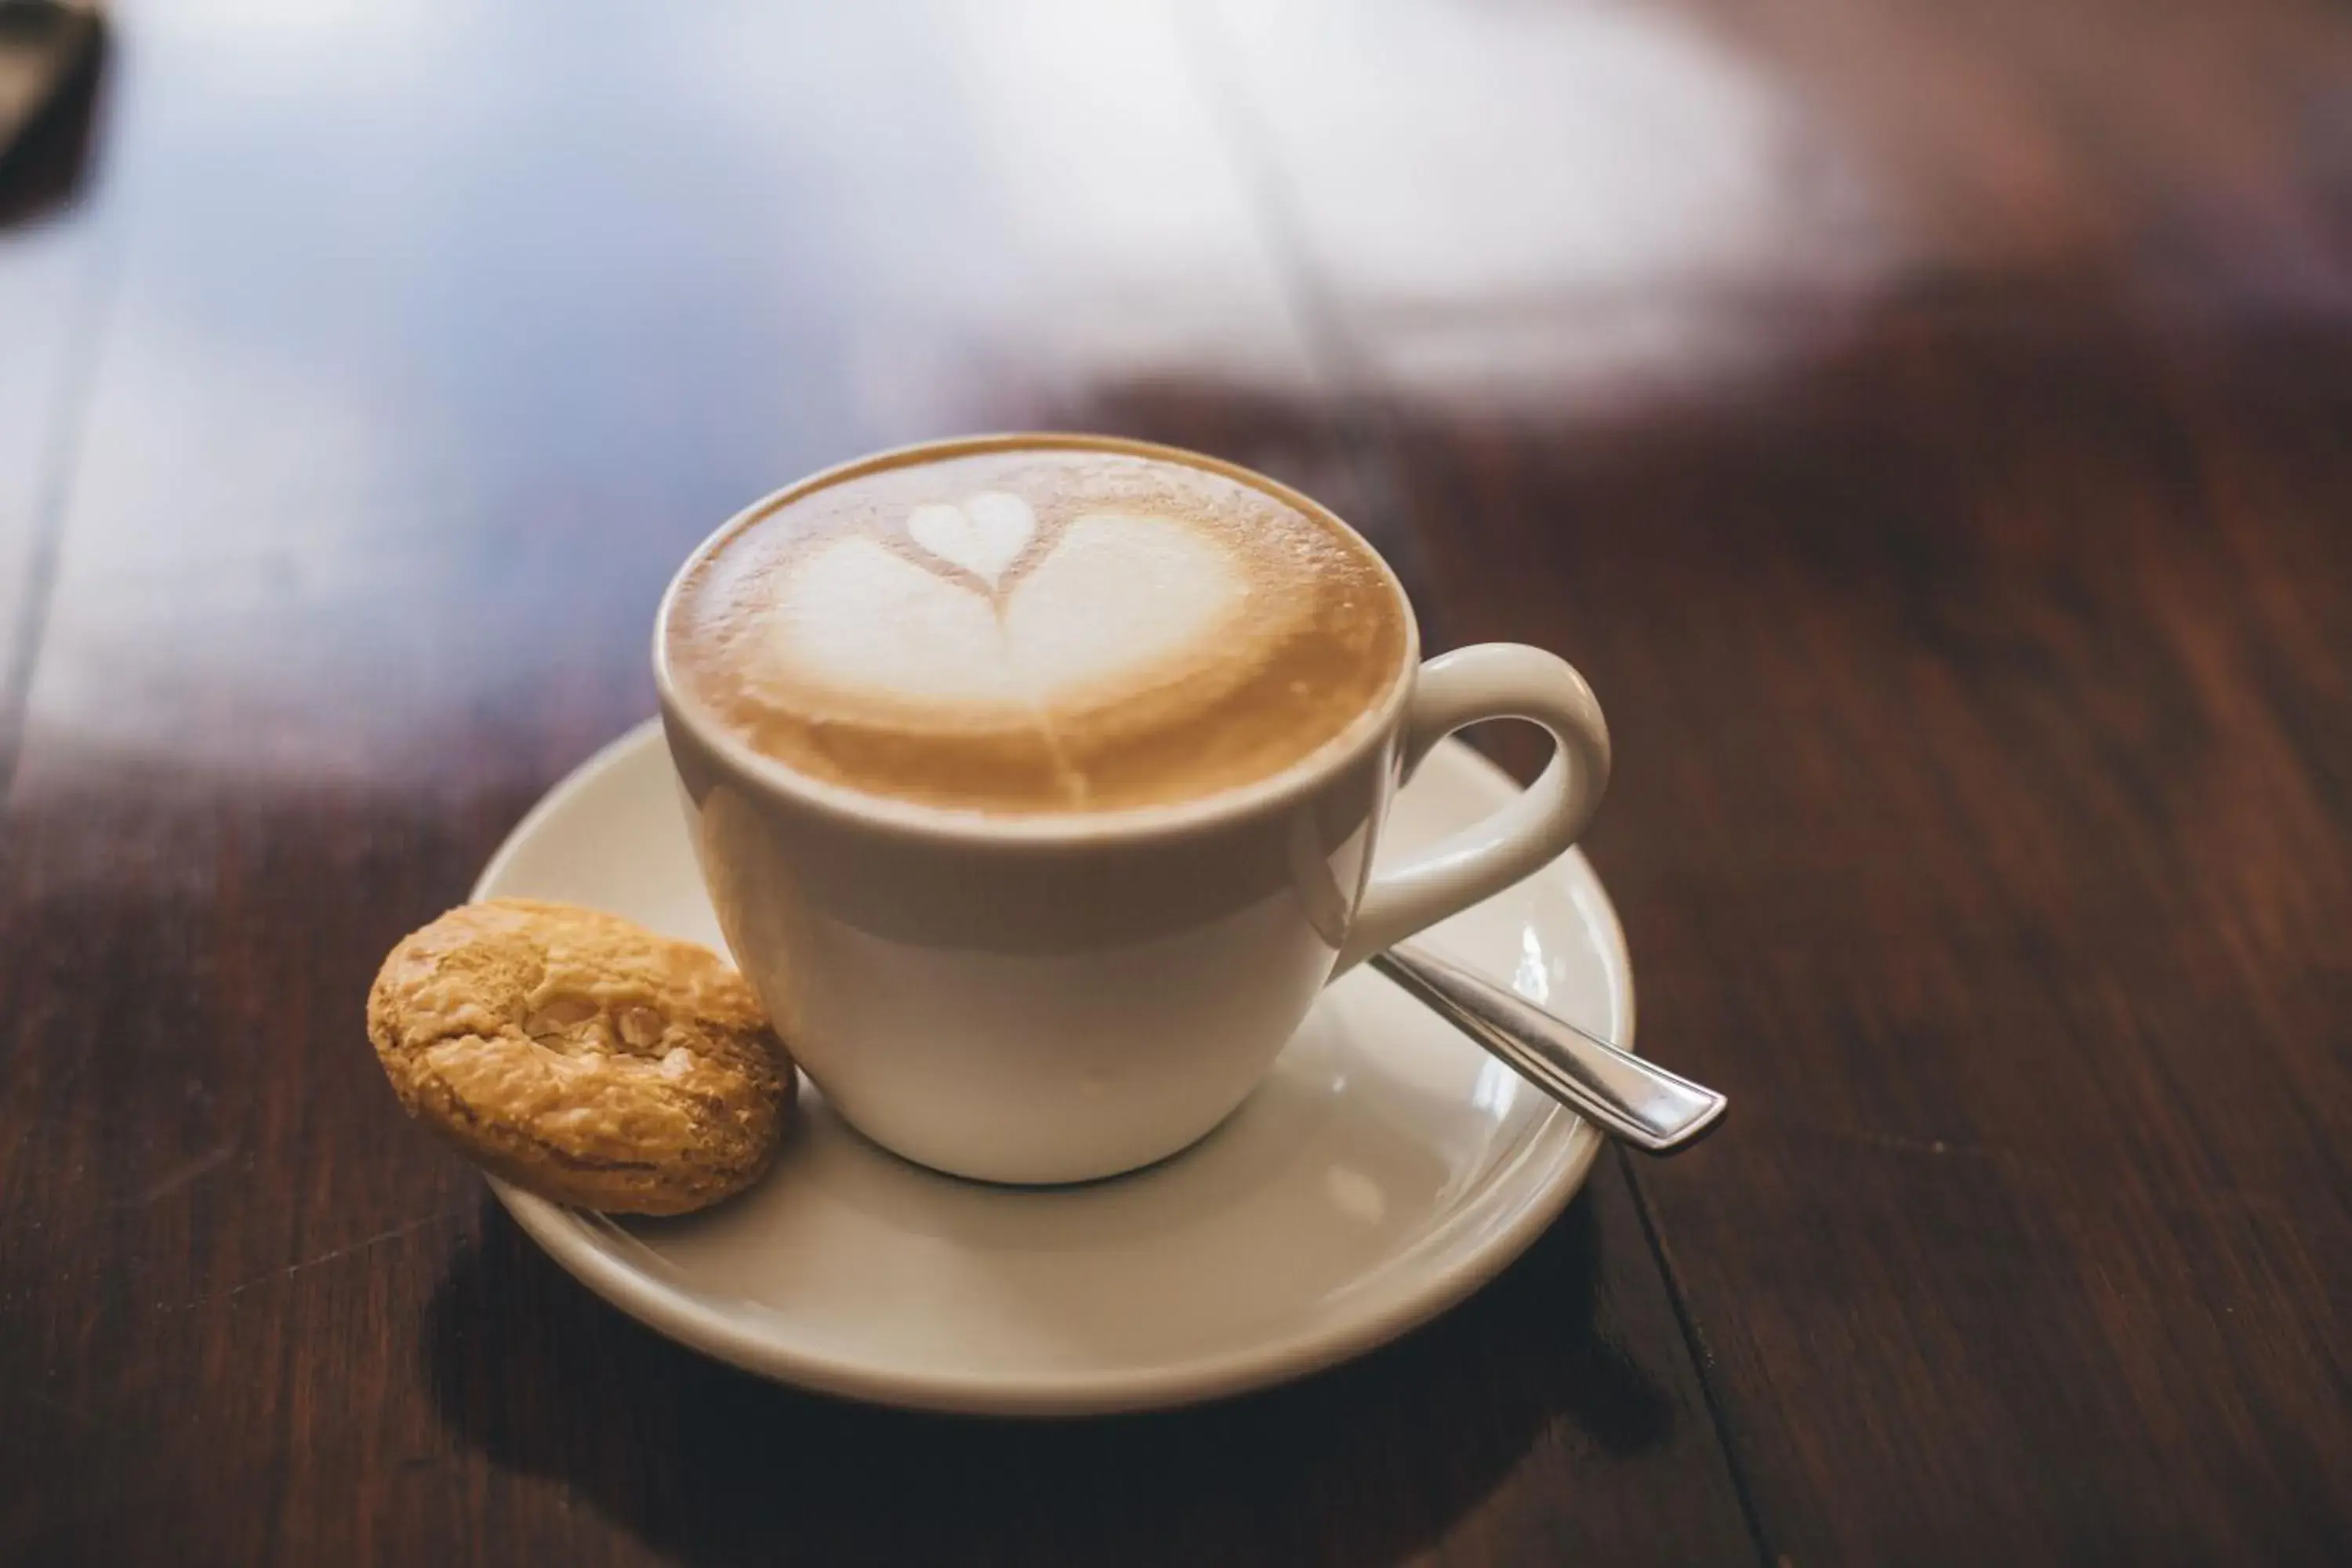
(1385, 1169)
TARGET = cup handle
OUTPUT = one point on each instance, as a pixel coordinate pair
(1489, 681)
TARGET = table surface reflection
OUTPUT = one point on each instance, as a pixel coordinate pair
(1924, 425)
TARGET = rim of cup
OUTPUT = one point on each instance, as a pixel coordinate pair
(973, 826)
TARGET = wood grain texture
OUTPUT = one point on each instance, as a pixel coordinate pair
(1929, 442)
(414, 383)
(1925, 425)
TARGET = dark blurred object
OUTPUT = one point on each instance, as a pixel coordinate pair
(50, 58)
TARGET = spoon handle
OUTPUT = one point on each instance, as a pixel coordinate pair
(1646, 1106)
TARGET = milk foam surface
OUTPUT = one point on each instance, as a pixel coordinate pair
(1037, 629)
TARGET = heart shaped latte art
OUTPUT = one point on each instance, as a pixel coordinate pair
(983, 535)
(1116, 598)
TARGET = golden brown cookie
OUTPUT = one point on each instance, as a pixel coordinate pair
(583, 1056)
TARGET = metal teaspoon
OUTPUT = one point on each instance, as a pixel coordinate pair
(1626, 1097)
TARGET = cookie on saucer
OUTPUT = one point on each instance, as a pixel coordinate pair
(582, 1056)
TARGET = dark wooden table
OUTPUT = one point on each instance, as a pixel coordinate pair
(1929, 426)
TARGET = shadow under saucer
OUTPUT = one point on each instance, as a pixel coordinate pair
(1368, 1461)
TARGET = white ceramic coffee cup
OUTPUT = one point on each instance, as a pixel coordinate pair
(1056, 998)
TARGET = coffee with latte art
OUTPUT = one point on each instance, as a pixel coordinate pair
(1033, 626)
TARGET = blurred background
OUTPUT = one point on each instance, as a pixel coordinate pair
(374, 312)
(1925, 424)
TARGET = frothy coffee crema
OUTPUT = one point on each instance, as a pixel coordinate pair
(1037, 630)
